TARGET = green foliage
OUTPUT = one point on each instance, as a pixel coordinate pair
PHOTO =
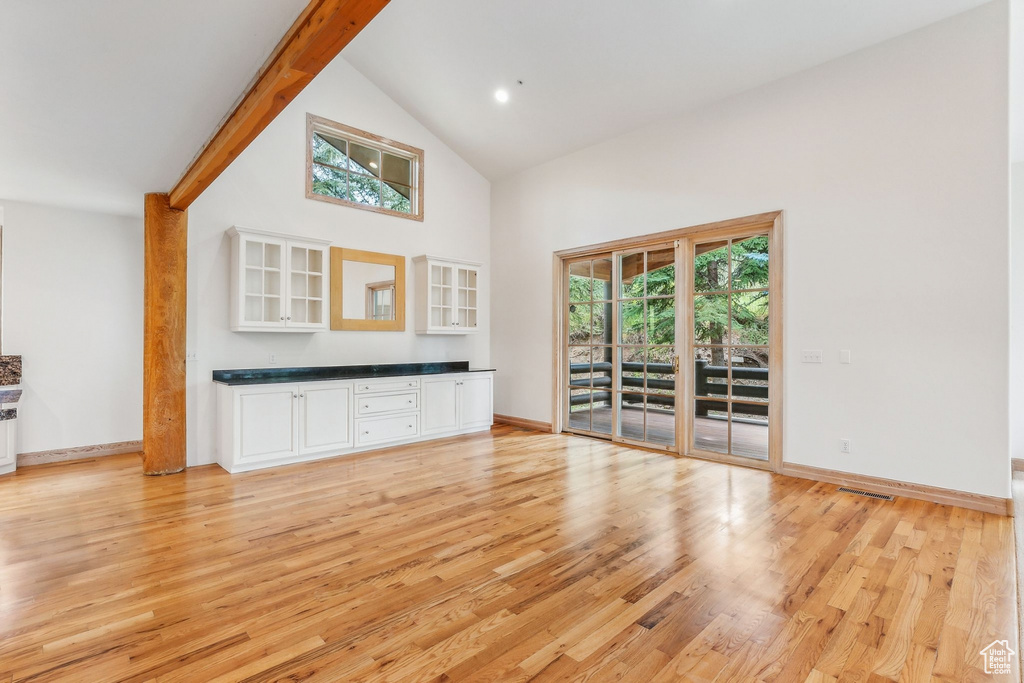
(357, 187)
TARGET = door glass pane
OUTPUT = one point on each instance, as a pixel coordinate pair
(710, 372)
(601, 421)
(631, 274)
(579, 323)
(661, 420)
(750, 430)
(579, 281)
(660, 373)
(632, 367)
(602, 367)
(661, 272)
(631, 416)
(602, 269)
(711, 267)
(710, 318)
(631, 322)
(579, 409)
(750, 318)
(661, 321)
(750, 263)
(749, 374)
(601, 320)
(711, 426)
(579, 366)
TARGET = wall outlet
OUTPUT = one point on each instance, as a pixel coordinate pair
(191, 357)
(273, 359)
(811, 356)
(844, 445)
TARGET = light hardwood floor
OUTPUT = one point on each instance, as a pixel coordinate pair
(507, 555)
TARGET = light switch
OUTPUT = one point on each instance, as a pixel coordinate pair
(811, 356)
(844, 356)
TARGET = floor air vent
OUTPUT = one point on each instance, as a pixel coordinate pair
(866, 494)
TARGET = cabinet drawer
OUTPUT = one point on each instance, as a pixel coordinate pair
(365, 386)
(387, 429)
(373, 404)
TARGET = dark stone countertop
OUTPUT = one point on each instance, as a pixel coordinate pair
(338, 372)
(10, 396)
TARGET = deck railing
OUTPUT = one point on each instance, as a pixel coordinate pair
(704, 384)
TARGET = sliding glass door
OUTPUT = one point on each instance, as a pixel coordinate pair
(631, 313)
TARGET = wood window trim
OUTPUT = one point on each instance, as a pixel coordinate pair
(770, 223)
(371, 289)
(338, 321)
(316, 124)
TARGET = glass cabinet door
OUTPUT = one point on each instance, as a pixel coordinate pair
(466, 316)
(306, 292)
(442, 278)
(263, 266)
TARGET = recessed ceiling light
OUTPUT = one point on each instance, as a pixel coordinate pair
(501, 95)
(373, 164)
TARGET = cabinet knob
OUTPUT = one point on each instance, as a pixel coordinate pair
(294, 396)
(289, 317)
(302, 396)
(410, 426)
(365, 433)
(409, 401)
(282, 317)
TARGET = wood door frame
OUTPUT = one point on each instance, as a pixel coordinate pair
(770, 222)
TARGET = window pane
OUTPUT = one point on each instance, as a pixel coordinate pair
(364, 190)
(661, 272)
(661, 321)
(750, 318)
(711, 267)
(631, 273)
(749, 374)
(328, 182)
(579, 281)
(750, 263)
(710, 372)
(631, 322)
(397, 170)
(710, 318)
(364, 159)
(330, 150)
(397, 198)
(711, 426)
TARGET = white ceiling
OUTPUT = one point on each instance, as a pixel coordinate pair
(102, 101)
(598, 68)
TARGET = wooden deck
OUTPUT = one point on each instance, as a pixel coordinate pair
(749, 439)
(503, 556)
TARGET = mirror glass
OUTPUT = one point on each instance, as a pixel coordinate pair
(368, 291)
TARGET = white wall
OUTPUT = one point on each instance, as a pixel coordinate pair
(265, 188)
(891, 166)
(72, 307)
(1017, 310)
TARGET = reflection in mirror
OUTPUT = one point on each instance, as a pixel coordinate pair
(367, 290)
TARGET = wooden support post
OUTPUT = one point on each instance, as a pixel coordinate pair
(163, 414)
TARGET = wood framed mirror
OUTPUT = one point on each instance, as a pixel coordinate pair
(367, 290)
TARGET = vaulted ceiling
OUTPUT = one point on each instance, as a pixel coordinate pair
(592, 69)
(104, 100)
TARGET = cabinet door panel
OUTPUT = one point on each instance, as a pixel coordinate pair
(440, 406)
(326, 418)
(268, 424)
(476, 407)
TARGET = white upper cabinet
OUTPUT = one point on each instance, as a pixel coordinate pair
(279, 283)
(447, 295)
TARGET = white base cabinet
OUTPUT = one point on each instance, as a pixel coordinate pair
(263, 425)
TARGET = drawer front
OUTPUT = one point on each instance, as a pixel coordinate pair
(365, 386)
(372, 404)
(384, 429)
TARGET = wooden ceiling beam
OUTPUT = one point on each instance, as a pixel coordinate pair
(321, 31)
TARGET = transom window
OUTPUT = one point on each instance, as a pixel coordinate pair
(359, 169)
